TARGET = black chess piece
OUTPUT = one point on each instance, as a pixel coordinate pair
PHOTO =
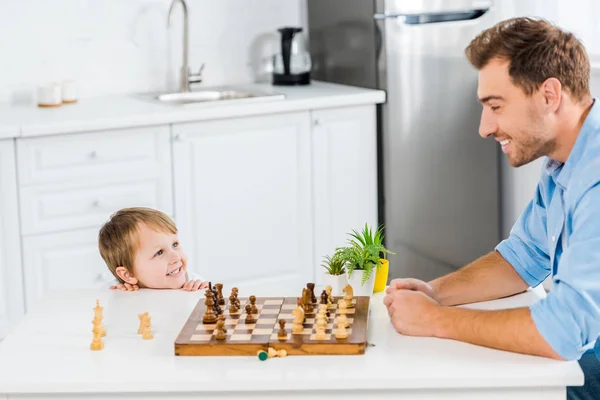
(324, 297)
(311, 287)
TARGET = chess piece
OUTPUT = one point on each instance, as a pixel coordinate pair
(328, 290)
(323, 312)
(146, 331)
(298, 322)
(306, 301)
(253, 304)
(222, 318)
(216, 307)
(221, 333)
(209, 316)
(282, 334)
(320, 334)
(343, 320)
(233, 309)
(249, 317)
(98, 316)
(342, 307)
(311, 288)
(220, 298)
(141, 327)
(276, 353)
(97, 340)
(234, 293)
(341, 332)
(324, 297)
(349, 295)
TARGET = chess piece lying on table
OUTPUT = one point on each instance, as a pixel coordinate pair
(270, 353)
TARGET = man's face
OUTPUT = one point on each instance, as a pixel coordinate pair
(515, 120)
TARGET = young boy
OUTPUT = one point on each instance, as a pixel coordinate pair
(141, 248)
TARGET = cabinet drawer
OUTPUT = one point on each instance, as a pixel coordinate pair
(68, 260)
(107, 156)
(58, 208)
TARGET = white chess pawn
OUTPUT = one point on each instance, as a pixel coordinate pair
(341, 332)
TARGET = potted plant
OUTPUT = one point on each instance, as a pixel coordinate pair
(335, 272)
(365, 257)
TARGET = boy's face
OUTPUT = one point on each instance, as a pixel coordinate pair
(159, 262)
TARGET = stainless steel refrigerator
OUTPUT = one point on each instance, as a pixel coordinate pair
(438, 179)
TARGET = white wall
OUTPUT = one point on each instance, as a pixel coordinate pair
(123, 46)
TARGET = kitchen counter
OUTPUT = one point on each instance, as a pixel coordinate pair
(48, 354)
(123, 111)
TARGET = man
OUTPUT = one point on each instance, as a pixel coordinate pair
(534, 88)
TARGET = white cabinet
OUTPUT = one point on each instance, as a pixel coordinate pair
(63, 260)
(11, 285)
(243, 199)
(344, 176)
(69, 185)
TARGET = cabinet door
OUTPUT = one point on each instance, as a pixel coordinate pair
(66, 260)
(243, 199)
(344, 176)
(11, 285)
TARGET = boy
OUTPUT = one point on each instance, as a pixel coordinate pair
(141, 249)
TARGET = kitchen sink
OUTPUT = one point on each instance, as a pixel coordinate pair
(216, 95)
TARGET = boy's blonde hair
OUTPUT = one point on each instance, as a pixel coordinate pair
(118, 238)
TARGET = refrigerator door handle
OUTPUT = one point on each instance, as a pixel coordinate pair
(429, 18)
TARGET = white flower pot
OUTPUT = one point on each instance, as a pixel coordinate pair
(355, 280)
(337, 283)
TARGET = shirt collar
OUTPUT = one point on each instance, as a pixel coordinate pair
(561, 172)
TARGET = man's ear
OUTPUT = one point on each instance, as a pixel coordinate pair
(126, 276)
(552, 91)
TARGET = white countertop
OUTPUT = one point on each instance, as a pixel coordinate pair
(48, 352)
(122, 111)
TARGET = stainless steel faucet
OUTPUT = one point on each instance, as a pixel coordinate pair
(186, 77)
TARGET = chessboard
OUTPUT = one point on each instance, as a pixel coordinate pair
(247, 339)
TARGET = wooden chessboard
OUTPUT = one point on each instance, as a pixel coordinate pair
(198, 339)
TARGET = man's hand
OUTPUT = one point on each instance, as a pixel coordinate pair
(412, 312)
(126, 287)
(194, 284)
(411, 284)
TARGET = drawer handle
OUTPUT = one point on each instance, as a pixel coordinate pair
(93, 155)
(98, 203)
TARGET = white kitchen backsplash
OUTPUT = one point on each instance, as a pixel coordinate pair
(124, 46)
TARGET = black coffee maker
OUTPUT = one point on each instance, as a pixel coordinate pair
(292, 66)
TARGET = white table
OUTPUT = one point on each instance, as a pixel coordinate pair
(48, 356)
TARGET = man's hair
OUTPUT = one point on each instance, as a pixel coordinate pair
(537, 50)
(118, 239)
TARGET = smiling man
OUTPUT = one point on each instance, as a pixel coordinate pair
(534, 89)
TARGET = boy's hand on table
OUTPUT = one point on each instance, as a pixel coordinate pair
(194, 284)
(126, 287)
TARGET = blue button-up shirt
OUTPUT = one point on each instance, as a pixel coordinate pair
(558, 233)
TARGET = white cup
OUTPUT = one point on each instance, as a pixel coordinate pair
(69, 91)
(49, 95)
